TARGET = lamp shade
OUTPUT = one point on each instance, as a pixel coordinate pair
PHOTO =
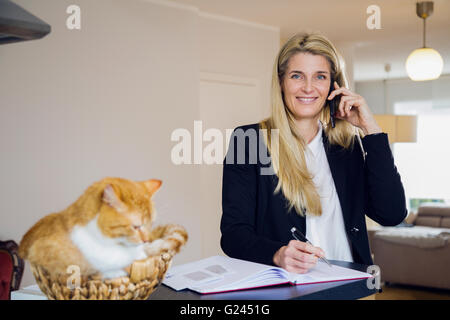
(424, 64)
(400, 128)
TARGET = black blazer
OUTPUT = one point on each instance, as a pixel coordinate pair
(256, 222)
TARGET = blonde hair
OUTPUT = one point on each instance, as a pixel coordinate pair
(288, 153)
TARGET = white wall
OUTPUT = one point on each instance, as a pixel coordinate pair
(77, 106)
(347, 50)
(374, 94)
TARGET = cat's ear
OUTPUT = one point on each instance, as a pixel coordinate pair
(110, 198)
(152, 185)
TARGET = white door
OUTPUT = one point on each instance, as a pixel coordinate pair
(226, 102)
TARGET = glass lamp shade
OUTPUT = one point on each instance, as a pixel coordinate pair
(424, 64)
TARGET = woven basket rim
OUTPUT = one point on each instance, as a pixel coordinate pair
(93, 287)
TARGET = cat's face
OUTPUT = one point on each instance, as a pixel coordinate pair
(127, 212)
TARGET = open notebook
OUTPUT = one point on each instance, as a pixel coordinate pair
(219, 274)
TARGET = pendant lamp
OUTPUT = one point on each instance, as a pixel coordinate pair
(424, 63)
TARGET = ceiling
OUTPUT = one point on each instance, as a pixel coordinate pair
(344, 23)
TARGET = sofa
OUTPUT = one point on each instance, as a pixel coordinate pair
(418, 252)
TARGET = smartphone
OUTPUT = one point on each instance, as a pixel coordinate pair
(332, 104)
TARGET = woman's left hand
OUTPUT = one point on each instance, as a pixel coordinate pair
(354, 109)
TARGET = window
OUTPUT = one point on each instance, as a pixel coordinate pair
(424, 166)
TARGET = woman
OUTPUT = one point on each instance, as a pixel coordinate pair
(326, 179)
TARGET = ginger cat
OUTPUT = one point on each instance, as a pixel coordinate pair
(103, 232)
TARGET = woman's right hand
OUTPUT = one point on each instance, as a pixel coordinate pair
(297, 256)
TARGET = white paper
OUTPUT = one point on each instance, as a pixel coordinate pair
(239, 273)
(219, 273)
(28, 293)
(322, 272)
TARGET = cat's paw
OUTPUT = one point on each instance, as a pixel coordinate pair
(170, 238)
(154, 248)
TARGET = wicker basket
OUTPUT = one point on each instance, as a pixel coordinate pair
(144, 277)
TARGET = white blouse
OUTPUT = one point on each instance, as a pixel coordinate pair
(326, 231)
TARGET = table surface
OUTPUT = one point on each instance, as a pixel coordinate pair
(342, 290)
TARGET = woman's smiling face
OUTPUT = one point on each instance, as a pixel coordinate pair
(306, 84)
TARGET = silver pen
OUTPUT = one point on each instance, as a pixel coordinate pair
(300, 237)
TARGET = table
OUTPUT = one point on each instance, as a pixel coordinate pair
(339, 290)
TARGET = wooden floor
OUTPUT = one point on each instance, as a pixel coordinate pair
(403, 292)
